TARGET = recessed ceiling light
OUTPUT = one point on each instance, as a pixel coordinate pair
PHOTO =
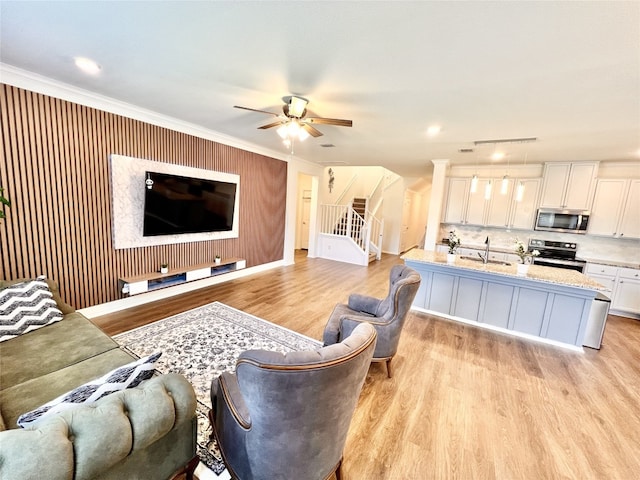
(87, 65)
(433, 130)
(497, 156)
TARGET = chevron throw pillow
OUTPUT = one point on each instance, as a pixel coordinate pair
(127, 376)
(25, 307)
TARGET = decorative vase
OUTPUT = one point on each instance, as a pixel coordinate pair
(164, 269)
(218, 259)
(523, 268)
(451, 258)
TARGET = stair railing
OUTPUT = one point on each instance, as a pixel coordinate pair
(376, 230)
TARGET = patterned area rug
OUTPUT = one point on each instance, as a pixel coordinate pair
(201, 344)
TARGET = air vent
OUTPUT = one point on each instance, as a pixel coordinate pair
(327, 145)
(466, 150)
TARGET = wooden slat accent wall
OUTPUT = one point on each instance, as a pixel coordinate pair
(54, 167)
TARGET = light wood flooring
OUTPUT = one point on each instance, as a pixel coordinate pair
(464, 403)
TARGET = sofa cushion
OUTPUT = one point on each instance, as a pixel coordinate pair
(25, 307)
(121, 378)
(53, 286)
(48, 349)
(30, 394)
(146, 432)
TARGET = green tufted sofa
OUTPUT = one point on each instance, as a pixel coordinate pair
(147, 432)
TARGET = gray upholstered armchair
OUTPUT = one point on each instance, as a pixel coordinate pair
(287, 416)
(386, 315)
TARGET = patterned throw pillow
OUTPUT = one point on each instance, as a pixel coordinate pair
(127, 376)
(25, 307)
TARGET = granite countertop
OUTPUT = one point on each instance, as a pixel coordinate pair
(481, 248)
(559, 276)
(599, 261)
(612, 263)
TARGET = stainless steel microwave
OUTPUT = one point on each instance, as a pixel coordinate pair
(559, 220)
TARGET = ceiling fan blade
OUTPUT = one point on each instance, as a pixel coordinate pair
(312, 131)
(270, 125)
(330, 121)
(256, 110)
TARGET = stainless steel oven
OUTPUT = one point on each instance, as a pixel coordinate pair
(557, 254)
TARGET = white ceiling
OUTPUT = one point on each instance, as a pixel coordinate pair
(567, 73)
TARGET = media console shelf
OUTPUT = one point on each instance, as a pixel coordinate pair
(156, 280)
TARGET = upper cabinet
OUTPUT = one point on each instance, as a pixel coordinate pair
(464, 206)
(456, 204)
(616, 208)
(523, 212)
(630, 221)
(509, 211)
(568, 185)
(499, 210)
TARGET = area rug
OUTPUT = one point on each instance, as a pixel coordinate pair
(201, 344)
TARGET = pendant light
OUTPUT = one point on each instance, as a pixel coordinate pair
(474, 179)
(487, 191)
(520, 188)
(474, 183)
(504, 186)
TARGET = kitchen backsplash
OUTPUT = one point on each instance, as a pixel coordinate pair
(589, 247)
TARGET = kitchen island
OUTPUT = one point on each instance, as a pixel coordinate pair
(548, 304)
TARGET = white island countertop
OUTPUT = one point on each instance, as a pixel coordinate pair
(558, 276)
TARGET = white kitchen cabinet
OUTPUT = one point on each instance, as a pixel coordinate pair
(506, 211)
(477, 205)
(569, 185)
(627, 291)
(605, 275)
(616, 208)
(523, 213)
(623, 285)
(500, 207)
(607, 206)
(463, 206)
(457, 196)
(630, 222)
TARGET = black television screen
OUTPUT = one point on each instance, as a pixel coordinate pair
(175, 204)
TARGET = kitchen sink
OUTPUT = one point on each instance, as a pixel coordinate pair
(478, 259)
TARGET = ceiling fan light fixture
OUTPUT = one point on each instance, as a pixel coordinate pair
(297, 106)
(293, 128)
(283, 131)
(303, 135)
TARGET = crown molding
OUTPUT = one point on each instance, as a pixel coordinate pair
(34, 82)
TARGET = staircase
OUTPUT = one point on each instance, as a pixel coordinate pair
(355, 234)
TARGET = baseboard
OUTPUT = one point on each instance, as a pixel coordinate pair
(135, 300)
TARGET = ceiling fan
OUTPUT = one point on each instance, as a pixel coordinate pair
(293, 122)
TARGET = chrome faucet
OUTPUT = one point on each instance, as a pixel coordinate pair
(485, 257)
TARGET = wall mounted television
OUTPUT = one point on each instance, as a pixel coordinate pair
(175, 204)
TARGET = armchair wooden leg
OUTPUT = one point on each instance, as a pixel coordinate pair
(389, 372)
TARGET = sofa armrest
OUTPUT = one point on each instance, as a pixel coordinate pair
(85, 441)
